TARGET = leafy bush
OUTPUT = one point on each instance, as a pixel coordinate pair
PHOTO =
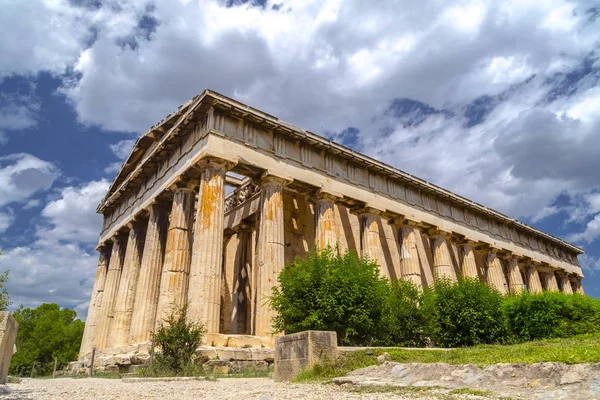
(403, 321)
(45, 333)
(327, 291)
(550, 315)
(463, 313)
(177, 340)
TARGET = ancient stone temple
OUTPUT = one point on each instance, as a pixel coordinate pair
(218, 196)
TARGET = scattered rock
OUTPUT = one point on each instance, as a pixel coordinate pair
(383, 358)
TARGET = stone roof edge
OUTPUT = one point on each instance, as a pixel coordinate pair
(299, 133)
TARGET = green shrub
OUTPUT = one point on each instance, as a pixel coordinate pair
(402, 322)
(177, 339)
(463, 313)
(327, 291)
(550, 315)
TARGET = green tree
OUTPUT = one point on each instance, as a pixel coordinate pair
(327, 291)
(4, 297)
(44, 333)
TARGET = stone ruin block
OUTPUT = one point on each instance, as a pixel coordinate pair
(302, 350)
(8, 335)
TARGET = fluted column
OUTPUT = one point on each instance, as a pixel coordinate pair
(370, 242)
(124, 301)
(326, 229)
(468, 266)
(565, 283)
(548, 280)
(146, 294)
(534, 285)
(410, 267)
(178, 254)
(270, 248)
(442, 260)
(495, 273)
(240, 295)
(91, 322)
(111, 284)
(204, 293)
(576, 285)
(515, 279)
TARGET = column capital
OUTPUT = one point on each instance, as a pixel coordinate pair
(243, 227)
(135, 223)
(274, 178)
(118, 236)
(367, 210)
(157, 204)
(183, 184)
(104, 247)
(437, 232)
(562, 273)
(323, 196)
(216, 162)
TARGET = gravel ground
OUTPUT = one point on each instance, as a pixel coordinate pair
(235, 389)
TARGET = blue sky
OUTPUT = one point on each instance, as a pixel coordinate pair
(497, 102)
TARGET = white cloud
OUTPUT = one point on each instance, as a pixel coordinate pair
(6, 220)
(330, 65)
(41, 35)
(591, 232)
(113, 168)
(48, 271)
(59, 264)
(122, 149)
(22, 175)
(73, 216)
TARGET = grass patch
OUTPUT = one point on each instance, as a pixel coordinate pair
(574, 350)
(345, 363)
(472, 392)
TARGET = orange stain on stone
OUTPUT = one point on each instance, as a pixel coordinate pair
(273, 205)
(210, 195)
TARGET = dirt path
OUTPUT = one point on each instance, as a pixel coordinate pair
(234, 389)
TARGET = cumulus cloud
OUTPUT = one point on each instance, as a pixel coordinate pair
(73, 216)
(6, 220)
(122, 148)
(504, 93)
(59, 263)
(48, 271)
(22, 175)
(18, 111)
(41, 35)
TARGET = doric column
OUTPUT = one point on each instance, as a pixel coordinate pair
(146, 293)
(91, 322)
(119, 331)
(534, 285)
(515, 279)
(270, 248)
(204, 292)
(326, 229)
(495, 273)
(576, 284)
(178, 253)
(370, 243)
(468, 266)
(241, 295)
(111, 283)
(442, 260)
(410, 267)
(564, 283)
(548, 280)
